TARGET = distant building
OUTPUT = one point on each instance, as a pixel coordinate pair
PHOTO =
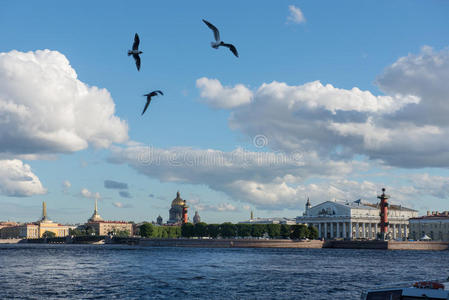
(196, 218)
(178, 211)
(36, 229)
(269, 221)
(102, 227)
(354, 220)
(159, 220)
(435, 225)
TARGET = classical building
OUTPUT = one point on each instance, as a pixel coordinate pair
(435, 225)
(102, 227)
(196, 218)
(269, 221)
(36, 229)
(178, 211)
(356, 220)
(159, 220)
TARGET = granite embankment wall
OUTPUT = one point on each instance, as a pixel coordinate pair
(437, 246)
(230, 243)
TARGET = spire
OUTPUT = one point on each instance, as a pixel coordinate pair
(178, 195)
(252, 215)
(44, 211)
(95, 216)
(96, 207)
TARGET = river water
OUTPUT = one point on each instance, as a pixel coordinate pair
(132, 272)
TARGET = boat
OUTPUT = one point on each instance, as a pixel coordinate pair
(430, 290)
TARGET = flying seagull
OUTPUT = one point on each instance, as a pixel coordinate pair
(153, 93)
(135, 52)
(219, 42)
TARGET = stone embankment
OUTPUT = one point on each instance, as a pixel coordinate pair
(9, 241)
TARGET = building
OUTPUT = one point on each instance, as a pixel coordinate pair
(178, 211)
(275, 220)
(196, 218)
(435, 225)
(102, 227)
(356, 220)
(159, 220)
(36, 229)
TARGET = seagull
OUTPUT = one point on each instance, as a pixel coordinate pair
(218, 42)
(135, 52)
(153, 93)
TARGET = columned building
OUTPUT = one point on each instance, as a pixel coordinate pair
(356, 220)
(435, 225)
(178, 211)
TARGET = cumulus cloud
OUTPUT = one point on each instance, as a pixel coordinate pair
(296, 15)
(46, 109)
(111, 184)
(216, 95)
(88, 194)
(125, 194)
(222, 207)
(66, 185)
(121, 205)
(18, 180)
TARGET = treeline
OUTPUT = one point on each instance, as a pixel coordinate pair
(152, 231)
(229, 230)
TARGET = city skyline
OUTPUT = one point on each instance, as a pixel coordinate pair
(326, 101)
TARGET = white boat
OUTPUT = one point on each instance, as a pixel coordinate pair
(430, 290)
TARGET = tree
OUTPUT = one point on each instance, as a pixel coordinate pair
(299, 232)
(48, 234)
(258, 230)
(120, 233)
(147, 230)
(200, 229)
(273, 230)
(227, 230)
(187, 230)
(213, 230)
(313, 233)
(243, 230)
(285, 231)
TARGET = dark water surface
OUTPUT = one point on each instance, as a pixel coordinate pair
(132, 272)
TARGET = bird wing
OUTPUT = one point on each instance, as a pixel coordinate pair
(146, 105)
(137, 59)
(232, 48)
(214, 29)
(154, 93)
(136, 42)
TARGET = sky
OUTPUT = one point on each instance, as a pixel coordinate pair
(327, 101)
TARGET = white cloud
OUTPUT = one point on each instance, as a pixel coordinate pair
(88, 194)
(296, 15)
(45, 109)
(17, 179)
(121, 205)
(217, 96)
(66, 184)
(222, 207)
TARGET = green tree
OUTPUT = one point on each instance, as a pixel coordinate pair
(120, 233)
(48, 234)
(243, 230)
(313, 233)
(147, 230)
(285, 231)
(299, 232)
(227, 230)
(187, 230)
(213, 230)
(175, 231)
(258, 230)
(200, 229)
(274, 230)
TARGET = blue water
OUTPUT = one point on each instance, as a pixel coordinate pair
(133, 272)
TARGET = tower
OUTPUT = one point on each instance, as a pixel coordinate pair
(44, 211)
(251, 216)
(159, 220)
(383, 214)
(95, 216)
(185, 218)
(196, 218)
(308, 206)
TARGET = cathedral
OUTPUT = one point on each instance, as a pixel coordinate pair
(178, 211)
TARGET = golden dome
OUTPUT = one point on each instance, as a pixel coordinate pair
(178, 200)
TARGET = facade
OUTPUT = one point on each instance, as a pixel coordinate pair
(435, 225)
(178, 211)
(102, 227)
(35, 230)
(356, 220)
(270, 221)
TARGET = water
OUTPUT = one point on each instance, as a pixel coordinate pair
(132, 272)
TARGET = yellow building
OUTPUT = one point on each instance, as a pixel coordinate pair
(102, 227)
(35, 230)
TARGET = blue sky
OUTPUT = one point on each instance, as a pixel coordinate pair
(383, 48)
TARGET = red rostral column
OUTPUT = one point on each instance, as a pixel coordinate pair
(383, 215)
(185, 218)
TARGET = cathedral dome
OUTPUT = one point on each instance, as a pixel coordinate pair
(177, 201)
